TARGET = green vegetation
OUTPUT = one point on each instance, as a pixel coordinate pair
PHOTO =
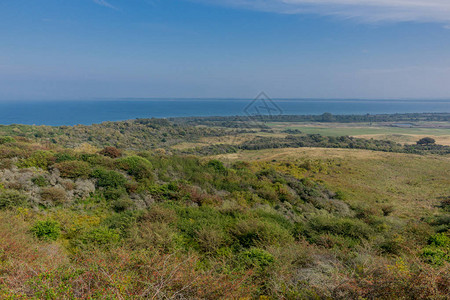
(46, 230)
(98, 221)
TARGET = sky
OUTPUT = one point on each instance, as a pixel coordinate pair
(89, 49)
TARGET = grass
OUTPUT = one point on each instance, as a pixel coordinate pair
(413, 184)
(439, 131)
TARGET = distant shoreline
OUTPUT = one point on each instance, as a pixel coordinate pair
(57, 113)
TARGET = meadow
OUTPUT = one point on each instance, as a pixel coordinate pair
(440, 131)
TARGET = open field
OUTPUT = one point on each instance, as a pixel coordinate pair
(440, 131)
(413, 184)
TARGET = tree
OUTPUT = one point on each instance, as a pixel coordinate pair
(426, 141)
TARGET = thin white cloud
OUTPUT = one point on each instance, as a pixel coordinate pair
(364, 10)
(105, 4)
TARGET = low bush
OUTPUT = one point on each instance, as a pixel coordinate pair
(74, 169)
(39, 159)
(64, 156)
(154, 235)
(440, 240)
(103, 237)
(54, 195)
(136, 166)
(158, 214)
(435, 255)
(254, 233)
(6, 140)
(256, 257)
(121, 222)
(352, 228)
(112, 152)
(109, 179)
(12, 198)
(210, 240)
(217, 165)
(438, 250)
(40, 181)
(46, 230)
(114, 194)
(122, 204)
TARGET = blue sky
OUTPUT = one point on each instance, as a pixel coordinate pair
(83, 49)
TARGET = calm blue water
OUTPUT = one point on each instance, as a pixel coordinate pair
(89, 112)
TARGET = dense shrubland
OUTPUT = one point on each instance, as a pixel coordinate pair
(144, 134)
(233, 121)
(133, 134)
(102, 223)
(317, 140)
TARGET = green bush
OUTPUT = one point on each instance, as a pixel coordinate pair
(40, 181)
(54, 195)
(11, 198)
(109, 179)
(121, 222)
(154, 235)
(73, 169)
(256, 257)
(6, 140)
(122, 204)
(64, 156)
(113, 194)
(136, 166)
(352, 228)
(217, 166)
(210, 240)
(435, 256)
(98, 161)
(158, 214)
(39, 159)
(440, 240)
(46, 230)
(254, 233)
(102, 236)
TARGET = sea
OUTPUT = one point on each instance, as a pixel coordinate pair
(86, 112)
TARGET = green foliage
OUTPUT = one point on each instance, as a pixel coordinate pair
(39, 159)
(64, 156)
(256, 257)
(115, 194)
(122, 204)
(136, 166)
(435, 256)
(256, 233)
(12, 198)
(440, 240)
(54, 195)
(217, 165)
(272, 226)
(101, 237)
(40, 181)
(347, 227)
(121, 222)
(6, 140)
(438, 250)
(74, 169)
(426, 141)
(109, 179)
(46, 230)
